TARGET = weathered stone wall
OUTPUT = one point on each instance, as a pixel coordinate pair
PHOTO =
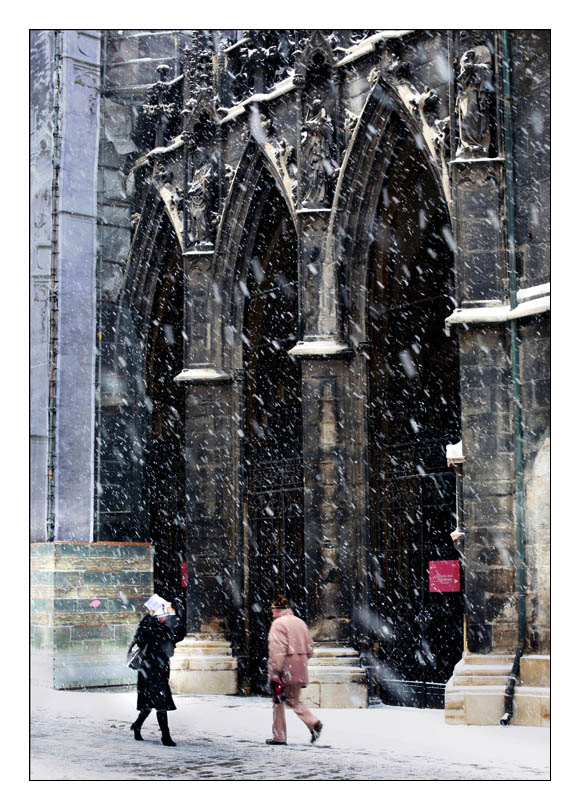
(535, 373)
(531, 68)
(487, 384)
(129, 62)
(531, 53)
(487, 435)
(73, 643)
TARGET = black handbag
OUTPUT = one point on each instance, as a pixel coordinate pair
(136, 657)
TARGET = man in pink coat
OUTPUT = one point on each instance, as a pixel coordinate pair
(289, 648)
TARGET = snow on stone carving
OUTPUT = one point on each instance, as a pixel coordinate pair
(473, 102)
(198, 193)
(317, 134)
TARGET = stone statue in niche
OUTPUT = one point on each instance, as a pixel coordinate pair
(198, 190)
(473, 102)
(317, 132)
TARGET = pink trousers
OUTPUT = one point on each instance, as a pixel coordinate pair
(293, 701)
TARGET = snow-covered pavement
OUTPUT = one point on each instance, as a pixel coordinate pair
(86, 736)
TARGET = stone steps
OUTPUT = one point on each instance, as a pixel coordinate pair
(203, 664)
(474, 694)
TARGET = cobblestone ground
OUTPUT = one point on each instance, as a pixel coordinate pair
(86, 736)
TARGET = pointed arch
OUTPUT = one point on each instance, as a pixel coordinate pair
(155, 240)
(256, 178)
(384, 124)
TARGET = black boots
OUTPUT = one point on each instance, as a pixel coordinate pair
(136, 727)
(164, 726)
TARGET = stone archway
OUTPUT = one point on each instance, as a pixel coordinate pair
(395, 267)
(141, 425)
(272, 456)
(256, 273)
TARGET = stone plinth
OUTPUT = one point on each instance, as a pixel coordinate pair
(474, 694)
(86, 602)
(337, 680)
(203, 664)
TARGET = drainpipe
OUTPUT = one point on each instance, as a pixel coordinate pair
(515, 364)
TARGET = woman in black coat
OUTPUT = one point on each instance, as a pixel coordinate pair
(158, 633)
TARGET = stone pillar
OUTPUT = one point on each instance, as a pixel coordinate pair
(336, 678)
(203, 662)
(486, 411)
(475, 692)
(73, 472)
(198, 323)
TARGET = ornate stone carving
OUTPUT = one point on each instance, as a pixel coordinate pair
(157, 98)
(473, 102)
(229, 172)
(198, 67)
(171, 192)
(317, 143)
(197, 196)
(350, 121)
(283, 153)
(395, 70)
(314, 51)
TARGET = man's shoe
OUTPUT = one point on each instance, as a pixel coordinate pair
(315, 732)
(274, 742)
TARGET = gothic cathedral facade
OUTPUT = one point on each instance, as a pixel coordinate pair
(290, 313)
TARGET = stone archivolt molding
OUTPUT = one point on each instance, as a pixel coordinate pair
(166, 179)
(391, 92)
(388, 112)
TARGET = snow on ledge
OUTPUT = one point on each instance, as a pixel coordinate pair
(316, 348)
(368, 45)
(531, 301)
(204, 374)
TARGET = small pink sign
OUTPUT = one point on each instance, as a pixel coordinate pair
(184, 575)
(444, 576)
(95, 603)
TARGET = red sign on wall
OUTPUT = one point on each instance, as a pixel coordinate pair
(184, 575)
(444, 576)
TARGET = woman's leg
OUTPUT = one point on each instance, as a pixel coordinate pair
(164, 726)
(136, 727)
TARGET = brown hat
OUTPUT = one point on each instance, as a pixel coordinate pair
(280, 602)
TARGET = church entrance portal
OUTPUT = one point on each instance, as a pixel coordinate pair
(164, 456)
(273, 429)
(413, 414)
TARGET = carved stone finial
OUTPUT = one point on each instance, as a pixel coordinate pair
(163, 71)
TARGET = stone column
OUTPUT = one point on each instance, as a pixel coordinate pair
(486, 410)
(336, 677)
(203, 662)
(73, 472)
(475, 692)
